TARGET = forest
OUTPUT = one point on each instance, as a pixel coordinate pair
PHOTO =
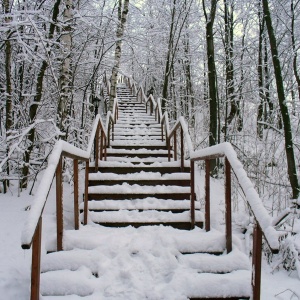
(230, 67)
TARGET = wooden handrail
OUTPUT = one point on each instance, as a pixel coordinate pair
(32, 234)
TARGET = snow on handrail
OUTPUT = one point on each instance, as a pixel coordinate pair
(60, 147)
(260, 213)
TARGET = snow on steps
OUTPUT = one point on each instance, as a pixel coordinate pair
(154, 262)
(144, 263)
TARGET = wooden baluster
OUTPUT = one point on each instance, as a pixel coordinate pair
(182, 149)
(101, 144)
(105, 148)
(175, 146)
(76, 205)
(207, 195)
(151, 105)
(192, 194)
(96, 148)
(228, 206)
(108, 135)
(256, 261)
(36, 262)
(169, 148)
(59, 207)
(85, 213)
(113, 131)
(162, 132)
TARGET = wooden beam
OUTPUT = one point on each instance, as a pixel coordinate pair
(59, 207)
(192, 194)
(256, 261)
(36, 262)
(228, 206)
(76, 202)
(207, 195)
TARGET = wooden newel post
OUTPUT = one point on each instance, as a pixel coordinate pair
(36, 262)
(192, 194)
(228, 206)
(96, 148)
(86, 186)
(59, 207)
(256, 261)
(175, 146)
(101, 144)
(76, 202)
(181, 149)
(207, 195)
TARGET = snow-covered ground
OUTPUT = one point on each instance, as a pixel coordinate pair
(15, 262)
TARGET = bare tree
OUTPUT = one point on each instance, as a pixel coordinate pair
(289, 147)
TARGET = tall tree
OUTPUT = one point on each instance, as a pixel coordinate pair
(122, 15)
(65, 79)
(212, 76)
(289, 147)
(8, 90)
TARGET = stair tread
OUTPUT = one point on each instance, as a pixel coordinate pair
(148, 216)
(126, 188)
(121, 164)
(139, 176)
(149, 203)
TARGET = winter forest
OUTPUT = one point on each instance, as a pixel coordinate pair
(231, 68)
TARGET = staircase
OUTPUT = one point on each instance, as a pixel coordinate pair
(125, 257)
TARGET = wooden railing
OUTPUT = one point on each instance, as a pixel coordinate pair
(263, 222)
(32, 232)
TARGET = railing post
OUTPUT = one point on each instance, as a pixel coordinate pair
(105, 148)
(162, 132)
(36, 262)
(76, 205)
(108, 135)
(228, 206)
(101, 144)
(207, 195)
(113, 131)
(192, 194)
(169, 148)
(59, 207)
(96, 148)
(175, 146)
(182, 149)
(256, 261)
(85, 212)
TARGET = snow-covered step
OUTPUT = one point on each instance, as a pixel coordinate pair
(137, 218)
(66, 282)
(225, 263)
(137, 137)
(138, 160)
(149, 203)
(139, 176)
(132, 143)
(135, 191)
(128, 167)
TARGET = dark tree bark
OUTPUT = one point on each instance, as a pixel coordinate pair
(212, 76)
(260, 110)
(169, 65)
(122, 15)
(291, 163)
(8, 86)
(295, 56)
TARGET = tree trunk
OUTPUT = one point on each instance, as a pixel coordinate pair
(260, 110)
(8, 87)
(168, 66)
(295, 57)
(66, 72)
(212, 77)
(122, 14)
(291, 164)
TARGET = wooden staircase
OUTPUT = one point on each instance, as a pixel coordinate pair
(137, 186)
